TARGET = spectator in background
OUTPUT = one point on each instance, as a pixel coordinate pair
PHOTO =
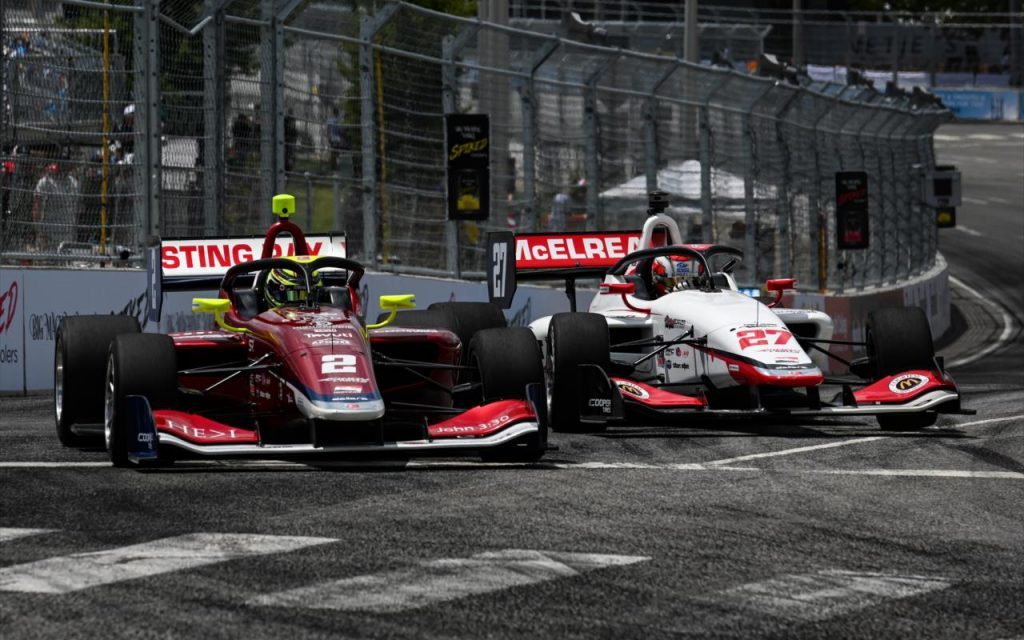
(126, 131)
(335, 137)
(55, 207)
(291, 137)
(241, 137)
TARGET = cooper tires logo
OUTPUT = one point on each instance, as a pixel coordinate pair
(633, 390)
(906, 383)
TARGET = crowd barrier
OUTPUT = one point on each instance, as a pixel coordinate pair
(33, 301)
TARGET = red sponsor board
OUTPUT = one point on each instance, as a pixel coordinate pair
(559, 251)
(213, 256)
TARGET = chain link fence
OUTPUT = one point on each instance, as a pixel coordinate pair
(241, 99)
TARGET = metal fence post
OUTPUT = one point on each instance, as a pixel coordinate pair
(214, 115)
(783, 257)
(592, 142)
(815, 206)
(651, 128)
(368, 27)
(147, 99)
(265, 119)
(750, 272)
(530, 133)
(451, 46)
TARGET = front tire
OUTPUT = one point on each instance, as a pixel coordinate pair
(507, 360)
(144, 364)
(79, 368)
(899, 339)
(573, 339)
(907, 421)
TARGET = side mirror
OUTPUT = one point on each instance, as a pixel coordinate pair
(392, 304)
(617, 288)
(779, 285)
(216, 306)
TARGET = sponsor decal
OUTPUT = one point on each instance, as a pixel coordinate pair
(576, 250)
(490, 424)
(633, 390)
(347, 389)
(8, 305)
(670, 323)
(213, 256)
(604, 404)
(734, 367)
(349, 380)
(145, 437)
(906, 383)
(760, 337)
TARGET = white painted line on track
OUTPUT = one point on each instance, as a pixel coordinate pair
(969, 231)
(53, 465)
(11, 533)
(999, 200)
(974, 201)
(442, 580)
(986, 136)
(825, 594)
(921, 473)
(69, 573)
(786, 452)
(941, 137)
(1005, 317)
(975, 423)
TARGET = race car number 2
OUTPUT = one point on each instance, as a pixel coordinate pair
(338, 363)
(760, 337)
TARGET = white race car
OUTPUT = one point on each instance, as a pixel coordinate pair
(669, 336)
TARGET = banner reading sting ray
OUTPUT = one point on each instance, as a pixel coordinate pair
(574, 250)
(213, 256)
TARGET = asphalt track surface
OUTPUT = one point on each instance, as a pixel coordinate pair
(815, 529)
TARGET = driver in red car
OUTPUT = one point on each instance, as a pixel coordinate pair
(285, 286)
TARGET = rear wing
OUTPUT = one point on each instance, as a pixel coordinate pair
(571, 256)
(552, 256)
(199, 264)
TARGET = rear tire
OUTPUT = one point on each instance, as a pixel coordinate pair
(142, 365)
(899, 339)
(573, 339)
(79, 369)
(907, 421)
(508, 359)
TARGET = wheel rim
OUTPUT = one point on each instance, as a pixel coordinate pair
(58, 381)
(108, 404)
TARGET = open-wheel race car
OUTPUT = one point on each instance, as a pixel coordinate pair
(670, 336)
(293, 369)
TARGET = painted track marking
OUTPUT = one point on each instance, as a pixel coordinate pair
(825, 594)
(441, 580)
(78, 571)
(786, 452)
(11, 533)
(1005, 317)
(969, 231)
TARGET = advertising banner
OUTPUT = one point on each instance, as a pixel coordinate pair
(12, 335)
(467, 139)
(852, 209)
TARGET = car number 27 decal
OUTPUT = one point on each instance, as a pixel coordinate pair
(760, 337)
(338, 363)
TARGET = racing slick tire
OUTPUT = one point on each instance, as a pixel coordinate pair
(79, 368)
(573, 339)
(144, 364)
(907, 421)
(469, 317)
(899, 339)
(507, 359)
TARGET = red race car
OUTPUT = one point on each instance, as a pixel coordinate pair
(293, 369)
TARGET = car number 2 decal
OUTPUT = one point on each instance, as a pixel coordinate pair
(338, 363)
(759, 337)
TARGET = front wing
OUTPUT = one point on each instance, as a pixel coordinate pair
(616, 399)
(495, 424)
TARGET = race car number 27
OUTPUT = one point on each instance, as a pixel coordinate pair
(760, 337)
(338, 363)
